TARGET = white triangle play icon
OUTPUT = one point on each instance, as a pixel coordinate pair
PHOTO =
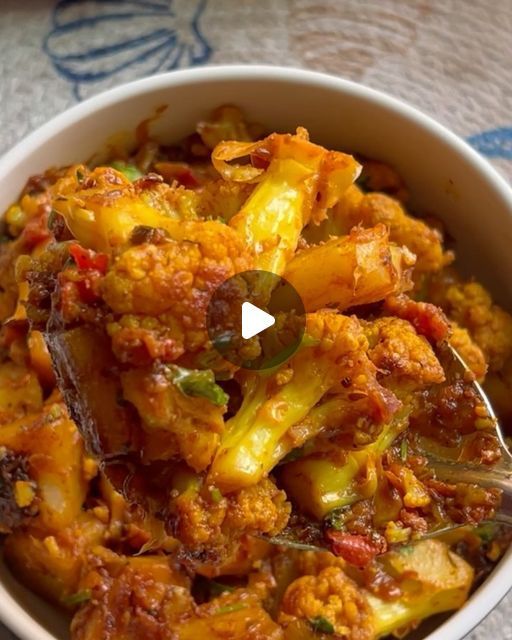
(254, 320)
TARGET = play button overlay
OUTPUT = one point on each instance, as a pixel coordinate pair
(256, 320)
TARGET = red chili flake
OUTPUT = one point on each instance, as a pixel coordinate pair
(261, 158)
(86, 259)
(355, 549)
(179, 171)
(35, 231)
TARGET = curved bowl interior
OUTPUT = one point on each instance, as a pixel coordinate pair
(446, 178)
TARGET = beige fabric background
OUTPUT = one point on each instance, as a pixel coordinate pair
(451, 58)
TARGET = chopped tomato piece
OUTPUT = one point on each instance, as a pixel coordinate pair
(355, 549)
(88, 260)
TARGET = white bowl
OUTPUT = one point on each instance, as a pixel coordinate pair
(445, 176)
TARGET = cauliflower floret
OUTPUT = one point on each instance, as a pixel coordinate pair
(424, 241)
(370, 209)
(142, 339)
(222, 199)
(401, 355)
(428, 319)
(206, 518)
(470, 352)
(102, 207)
(332, 597)
(471, 306)
(131, 598)
(177, 423)
(498, 386)
(262, 507)
(247, 554)
(172, 283)
(311, 563)
(198, 518)
(334, 350)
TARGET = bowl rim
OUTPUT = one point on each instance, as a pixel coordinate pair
(494, 589)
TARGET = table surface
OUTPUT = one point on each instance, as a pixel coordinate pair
(450, 58)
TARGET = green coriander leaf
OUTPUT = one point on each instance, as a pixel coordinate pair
(404, 450)
(128, 170)
(337, 518)
(217, 588)
(406, 550)
(486, 532)
(230, 608)
(54, 413)
(199, 383)
(216, 494)
(309, 341)
(78, 598)
(321, 624)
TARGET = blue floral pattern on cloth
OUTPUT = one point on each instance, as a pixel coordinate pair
(494, 143)
(97, 43)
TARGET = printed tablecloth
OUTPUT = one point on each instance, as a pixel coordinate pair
(450, 58)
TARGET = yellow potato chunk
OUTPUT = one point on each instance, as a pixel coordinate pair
(357, 269)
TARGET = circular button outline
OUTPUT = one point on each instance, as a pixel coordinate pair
(270, 293)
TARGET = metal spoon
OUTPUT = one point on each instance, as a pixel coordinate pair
(308, 535)
(497, 476)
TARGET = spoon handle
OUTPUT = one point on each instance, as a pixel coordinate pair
(498, 477)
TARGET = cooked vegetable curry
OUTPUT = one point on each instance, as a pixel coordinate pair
(143, 476)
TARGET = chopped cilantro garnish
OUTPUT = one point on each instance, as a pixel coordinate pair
(128, 170)
(230, 608)
(406, 550)
(54, 413)
(217, 588)
(321, 625)
(404, 450)
(216, 494)
(309, 341)
(337, 518)
(486, 532)
(198, 383)
(78, 598)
